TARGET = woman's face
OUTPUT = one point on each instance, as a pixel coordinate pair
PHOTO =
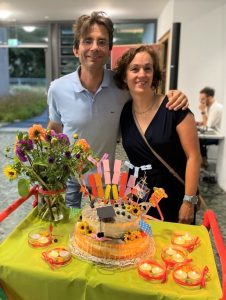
(139, 74)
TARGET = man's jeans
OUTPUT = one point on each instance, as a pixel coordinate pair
(73, 195)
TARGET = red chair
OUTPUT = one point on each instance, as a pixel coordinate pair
(210, 222)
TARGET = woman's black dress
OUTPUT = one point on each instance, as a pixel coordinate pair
(162, 136)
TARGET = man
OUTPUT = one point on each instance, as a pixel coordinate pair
(87, 101)
(211, 112)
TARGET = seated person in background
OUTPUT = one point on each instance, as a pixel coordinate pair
(211, 112)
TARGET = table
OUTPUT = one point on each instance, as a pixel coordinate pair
(209, 133)
(25, 276)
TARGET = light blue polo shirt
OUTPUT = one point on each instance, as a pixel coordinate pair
(94, 117)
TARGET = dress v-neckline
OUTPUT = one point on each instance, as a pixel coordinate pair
(137, 123)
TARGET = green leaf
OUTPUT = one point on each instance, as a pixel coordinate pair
(40, 163)
(23, 187)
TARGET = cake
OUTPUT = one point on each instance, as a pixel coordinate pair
(112, 231)
(111, 228)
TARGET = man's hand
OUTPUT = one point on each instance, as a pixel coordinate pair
(202, 107)
(186, 213)
(177, 100)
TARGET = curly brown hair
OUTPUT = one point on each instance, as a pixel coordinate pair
(85, 22)
(124, 61)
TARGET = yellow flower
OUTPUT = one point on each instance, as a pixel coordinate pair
(135, 211)
(84, 228)
(129, 207)
(89, 230)
(75, 136)
(131, 236)
(135, 235)
(127, 238)
(10, 172)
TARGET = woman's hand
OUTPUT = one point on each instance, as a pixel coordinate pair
(186, 213)
(177, 100)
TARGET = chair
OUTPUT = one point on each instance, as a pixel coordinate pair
(210, 222)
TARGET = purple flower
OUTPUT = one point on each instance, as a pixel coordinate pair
(67, 154)
(20, 154)
(51, 160)
(77, 155)
(25, 144)
(63, 138)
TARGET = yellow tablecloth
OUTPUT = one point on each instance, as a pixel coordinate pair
(25, 276)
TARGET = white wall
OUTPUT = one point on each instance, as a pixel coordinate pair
(202, 54)
(164, 24)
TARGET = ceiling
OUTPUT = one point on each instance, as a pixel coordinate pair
(33, 11)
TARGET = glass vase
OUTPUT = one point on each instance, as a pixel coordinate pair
(52, 206)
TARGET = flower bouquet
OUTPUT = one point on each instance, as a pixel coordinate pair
(46, 159)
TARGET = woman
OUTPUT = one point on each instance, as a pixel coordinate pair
(172, 134)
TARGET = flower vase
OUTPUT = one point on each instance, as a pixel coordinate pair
(51, 205)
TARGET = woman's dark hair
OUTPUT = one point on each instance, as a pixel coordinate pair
(124, 61)
(85, 22)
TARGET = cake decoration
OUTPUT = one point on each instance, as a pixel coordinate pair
(112, 230)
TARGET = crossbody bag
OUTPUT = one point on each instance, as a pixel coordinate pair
(201, 201)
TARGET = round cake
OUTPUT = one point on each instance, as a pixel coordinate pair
(112, 232)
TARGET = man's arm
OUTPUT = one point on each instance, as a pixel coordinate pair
(177, 100)
(57, 127)
(203, 110)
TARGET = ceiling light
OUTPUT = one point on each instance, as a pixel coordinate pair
(4, 14)
(29, 28)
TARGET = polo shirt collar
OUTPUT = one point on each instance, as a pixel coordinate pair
(79, 87)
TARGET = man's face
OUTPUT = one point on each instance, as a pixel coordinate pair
(203, 98)
(93, 50)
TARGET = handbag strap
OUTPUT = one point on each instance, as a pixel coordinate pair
(171, 170)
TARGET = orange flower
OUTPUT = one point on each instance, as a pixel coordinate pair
(84, 145)
(36, 132)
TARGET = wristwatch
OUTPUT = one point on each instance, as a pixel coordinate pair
(191, 199)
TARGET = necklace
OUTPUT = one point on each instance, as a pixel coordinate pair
(144, 111)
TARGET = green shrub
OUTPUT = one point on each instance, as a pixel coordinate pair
(22, 104)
